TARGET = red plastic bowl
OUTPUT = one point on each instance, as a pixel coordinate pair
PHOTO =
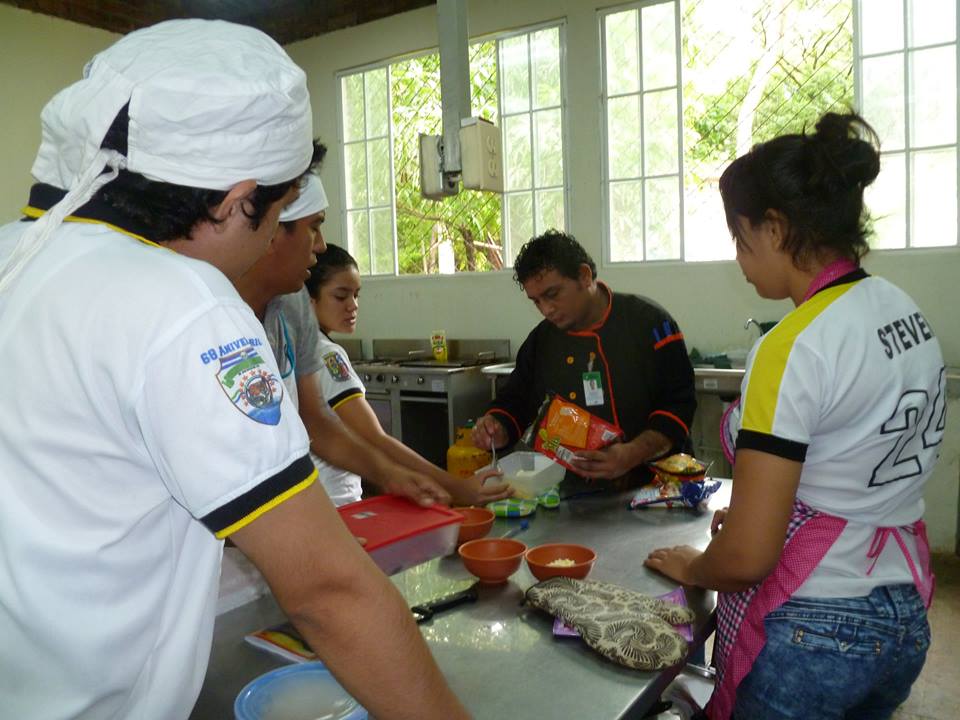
(540, 557)
(476, 523)
(492, 560)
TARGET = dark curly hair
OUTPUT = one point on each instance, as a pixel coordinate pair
(168, 211)
(815, 180)
(554, 250)
(329, 262)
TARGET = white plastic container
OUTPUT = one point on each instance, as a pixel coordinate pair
(530, 473)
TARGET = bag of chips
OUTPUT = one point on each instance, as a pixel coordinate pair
(567, 428)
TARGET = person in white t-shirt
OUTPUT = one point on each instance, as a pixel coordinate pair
(334, 292)
(145, 419)
(839, 428)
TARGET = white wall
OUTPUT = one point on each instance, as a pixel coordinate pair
(709, 300)
(40, 56)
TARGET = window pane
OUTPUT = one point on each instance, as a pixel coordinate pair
(514, 75)
(356, 174)
(381, 222)
(932, 21)
(626, 221)
(622, 63)
(663, 218)
(519, 220)
(660, 136)
(933, 105)
(549, 210)
(381, 192)
(517, 152)
(934, 198)
(881, 26)
(883, 99)
(886, 200)
(659, 46)
(623, 136)
(549, 147)
(358, 239)
(706, 236)
(376, 93)
(351, 90)
(545, 46)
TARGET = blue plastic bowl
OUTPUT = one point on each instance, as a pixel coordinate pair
(297, 692)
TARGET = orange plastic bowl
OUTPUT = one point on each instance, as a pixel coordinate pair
(492, 560)
(540, 557)
(476, 523)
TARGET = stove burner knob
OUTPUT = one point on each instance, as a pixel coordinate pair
(367, 377)
(380, 377)
(420, 380)
(395, 379)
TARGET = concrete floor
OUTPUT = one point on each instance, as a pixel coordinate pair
(936, 694)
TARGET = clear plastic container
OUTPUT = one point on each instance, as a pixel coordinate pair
(400, 533)
(530, 473)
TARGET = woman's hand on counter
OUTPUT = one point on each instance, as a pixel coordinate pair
(674, 562)
(417, 486)
(479, 489)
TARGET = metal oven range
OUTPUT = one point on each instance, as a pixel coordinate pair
(420, 401)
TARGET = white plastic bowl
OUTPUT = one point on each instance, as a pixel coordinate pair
(530, 473)
(297, 692)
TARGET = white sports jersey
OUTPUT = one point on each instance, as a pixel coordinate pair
(851, 383)
(144, 419)
(340, 384)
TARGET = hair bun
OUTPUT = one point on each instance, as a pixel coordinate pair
(847, 152)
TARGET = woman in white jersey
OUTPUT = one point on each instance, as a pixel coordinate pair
(334, 288)
(821, 559)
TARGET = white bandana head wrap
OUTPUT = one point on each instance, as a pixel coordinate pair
(312, 200)
(211, 103)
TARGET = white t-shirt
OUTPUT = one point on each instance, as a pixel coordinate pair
(851, 383)
(144, 418)
(340, 384)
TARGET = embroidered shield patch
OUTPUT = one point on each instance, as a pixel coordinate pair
(251, 386)
(336, 366)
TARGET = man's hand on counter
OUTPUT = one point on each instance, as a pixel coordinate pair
(489, 433)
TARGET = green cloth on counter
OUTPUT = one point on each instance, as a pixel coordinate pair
(517, 507)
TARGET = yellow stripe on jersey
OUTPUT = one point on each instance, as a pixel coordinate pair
(33, 212)
(766, 373)
(250, 517)
(341, 401)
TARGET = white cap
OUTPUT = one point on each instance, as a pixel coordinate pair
(211, 103)
(312, 200)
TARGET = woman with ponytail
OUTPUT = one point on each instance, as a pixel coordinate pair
(821, 561)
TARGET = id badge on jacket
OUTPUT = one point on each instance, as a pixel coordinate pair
(592, 389)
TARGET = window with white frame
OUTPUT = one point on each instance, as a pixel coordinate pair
(688, 85)
(908, 85)
(516, 82)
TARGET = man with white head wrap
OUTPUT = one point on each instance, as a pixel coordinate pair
(274, 289)
(147, 420)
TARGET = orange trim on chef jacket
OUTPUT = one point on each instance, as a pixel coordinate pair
(672, 417)
(512, 418)
(667, 340)
(589, 332)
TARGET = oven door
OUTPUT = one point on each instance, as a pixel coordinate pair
(382, 404)
(424, 425)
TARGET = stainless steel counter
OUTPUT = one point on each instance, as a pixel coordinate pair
(498, 656)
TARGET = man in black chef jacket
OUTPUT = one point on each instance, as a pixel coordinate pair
(619, 356)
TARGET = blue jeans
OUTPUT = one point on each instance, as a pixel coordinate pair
(831, 658)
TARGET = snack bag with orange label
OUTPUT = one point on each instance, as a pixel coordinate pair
(567, 428)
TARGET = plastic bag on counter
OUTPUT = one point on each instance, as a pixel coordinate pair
(667, 493)
(567, 428)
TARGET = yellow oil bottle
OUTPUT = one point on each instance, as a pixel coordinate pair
(463, 457)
